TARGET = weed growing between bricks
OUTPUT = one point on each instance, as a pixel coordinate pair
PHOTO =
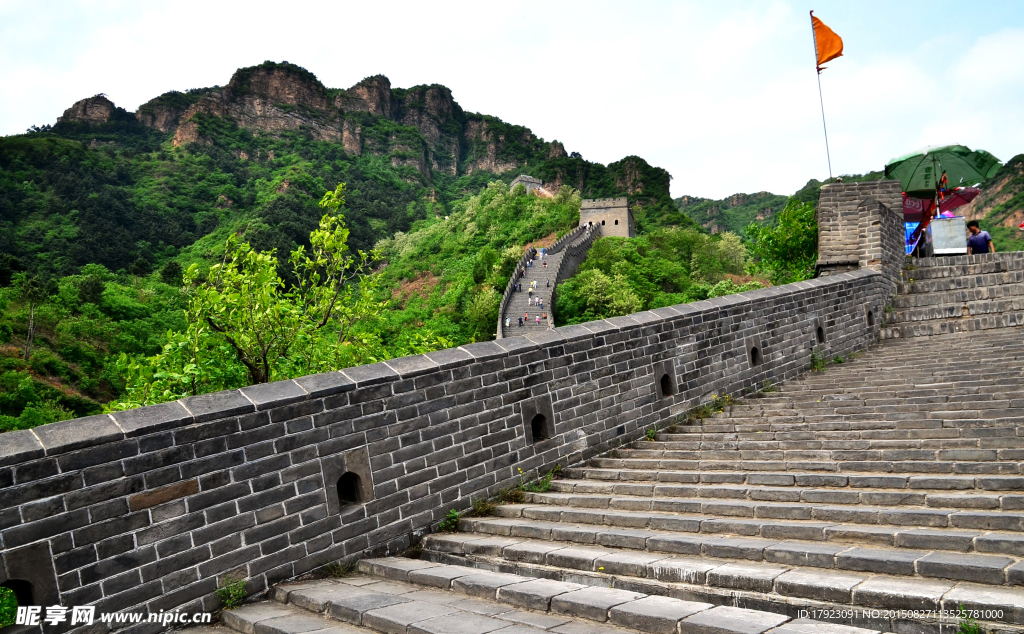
(967, 625)
(340, 569)
(483, 507)
(818, 364)
(450, 523)
(716, 405)
(233, 593)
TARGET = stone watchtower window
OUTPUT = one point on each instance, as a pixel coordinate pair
(821, 335)
(602, 222)
(616, 221)
(350, 489)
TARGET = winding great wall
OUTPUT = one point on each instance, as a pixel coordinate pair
(882, 494)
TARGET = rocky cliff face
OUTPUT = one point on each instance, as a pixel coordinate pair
(270, 99)
(94, 110)
(436, 134)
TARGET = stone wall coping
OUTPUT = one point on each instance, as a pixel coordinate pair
(70, 435)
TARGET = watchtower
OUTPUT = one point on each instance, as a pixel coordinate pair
(612, 214)
(529, 182)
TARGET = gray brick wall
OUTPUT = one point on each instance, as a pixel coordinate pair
(149, 509)
(860, 226)
(573, 257)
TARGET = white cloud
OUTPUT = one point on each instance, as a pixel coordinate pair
(722, 96)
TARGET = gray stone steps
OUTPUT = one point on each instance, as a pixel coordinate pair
(1005, 460)
(991, 442)
(963, 266)
(867, 490)
(407, 596)
(825, 466)
(967, 309)
(791, 521)
(838, 422)
(780, 583)
(887, 433)
(938, 327)
(790, 406)
(390, 603)
(1009, 291)
(854, 548)
(946, 284)
(518, 303)
(809, 479)
(635, 511)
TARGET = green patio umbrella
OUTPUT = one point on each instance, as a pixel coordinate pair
(919, 172)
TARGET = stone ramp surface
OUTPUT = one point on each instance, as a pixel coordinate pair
(404, 596)
(891, 483)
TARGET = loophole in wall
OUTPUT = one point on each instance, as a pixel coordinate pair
(538, 425)
(871, 318)
(350, 489)
(821, 334)
(666, 385)
(22, 590)
(755, 356)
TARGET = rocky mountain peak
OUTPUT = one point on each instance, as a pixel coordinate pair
(93, 110)
(282, 83)
(372, 95)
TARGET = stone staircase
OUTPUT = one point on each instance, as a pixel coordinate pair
(956, 294)
(408, 596)
(884, 492)
(518, 304)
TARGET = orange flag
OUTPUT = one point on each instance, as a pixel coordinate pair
(827, 45)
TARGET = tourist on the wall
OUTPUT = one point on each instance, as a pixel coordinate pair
(979, 241)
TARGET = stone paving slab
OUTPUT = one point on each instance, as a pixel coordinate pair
(422, 608)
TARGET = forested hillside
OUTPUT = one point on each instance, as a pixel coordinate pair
(102, 211)
(1000, 207)
(131, 243)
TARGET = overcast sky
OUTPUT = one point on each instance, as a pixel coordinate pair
(722, 94)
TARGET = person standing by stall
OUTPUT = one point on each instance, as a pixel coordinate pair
(979, 241)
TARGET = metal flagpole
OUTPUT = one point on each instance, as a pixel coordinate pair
(820, 98)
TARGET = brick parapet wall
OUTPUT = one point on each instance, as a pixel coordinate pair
(149, 509)
(860, 226)
(506, 296)
(571, 260)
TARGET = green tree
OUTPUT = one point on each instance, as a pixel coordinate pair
(594, 295)
(90, 289)
(482, 312)
(245, 326)
(485, 261)
(787, 250)
(31, 290)
(140, 268)
(171, 273)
